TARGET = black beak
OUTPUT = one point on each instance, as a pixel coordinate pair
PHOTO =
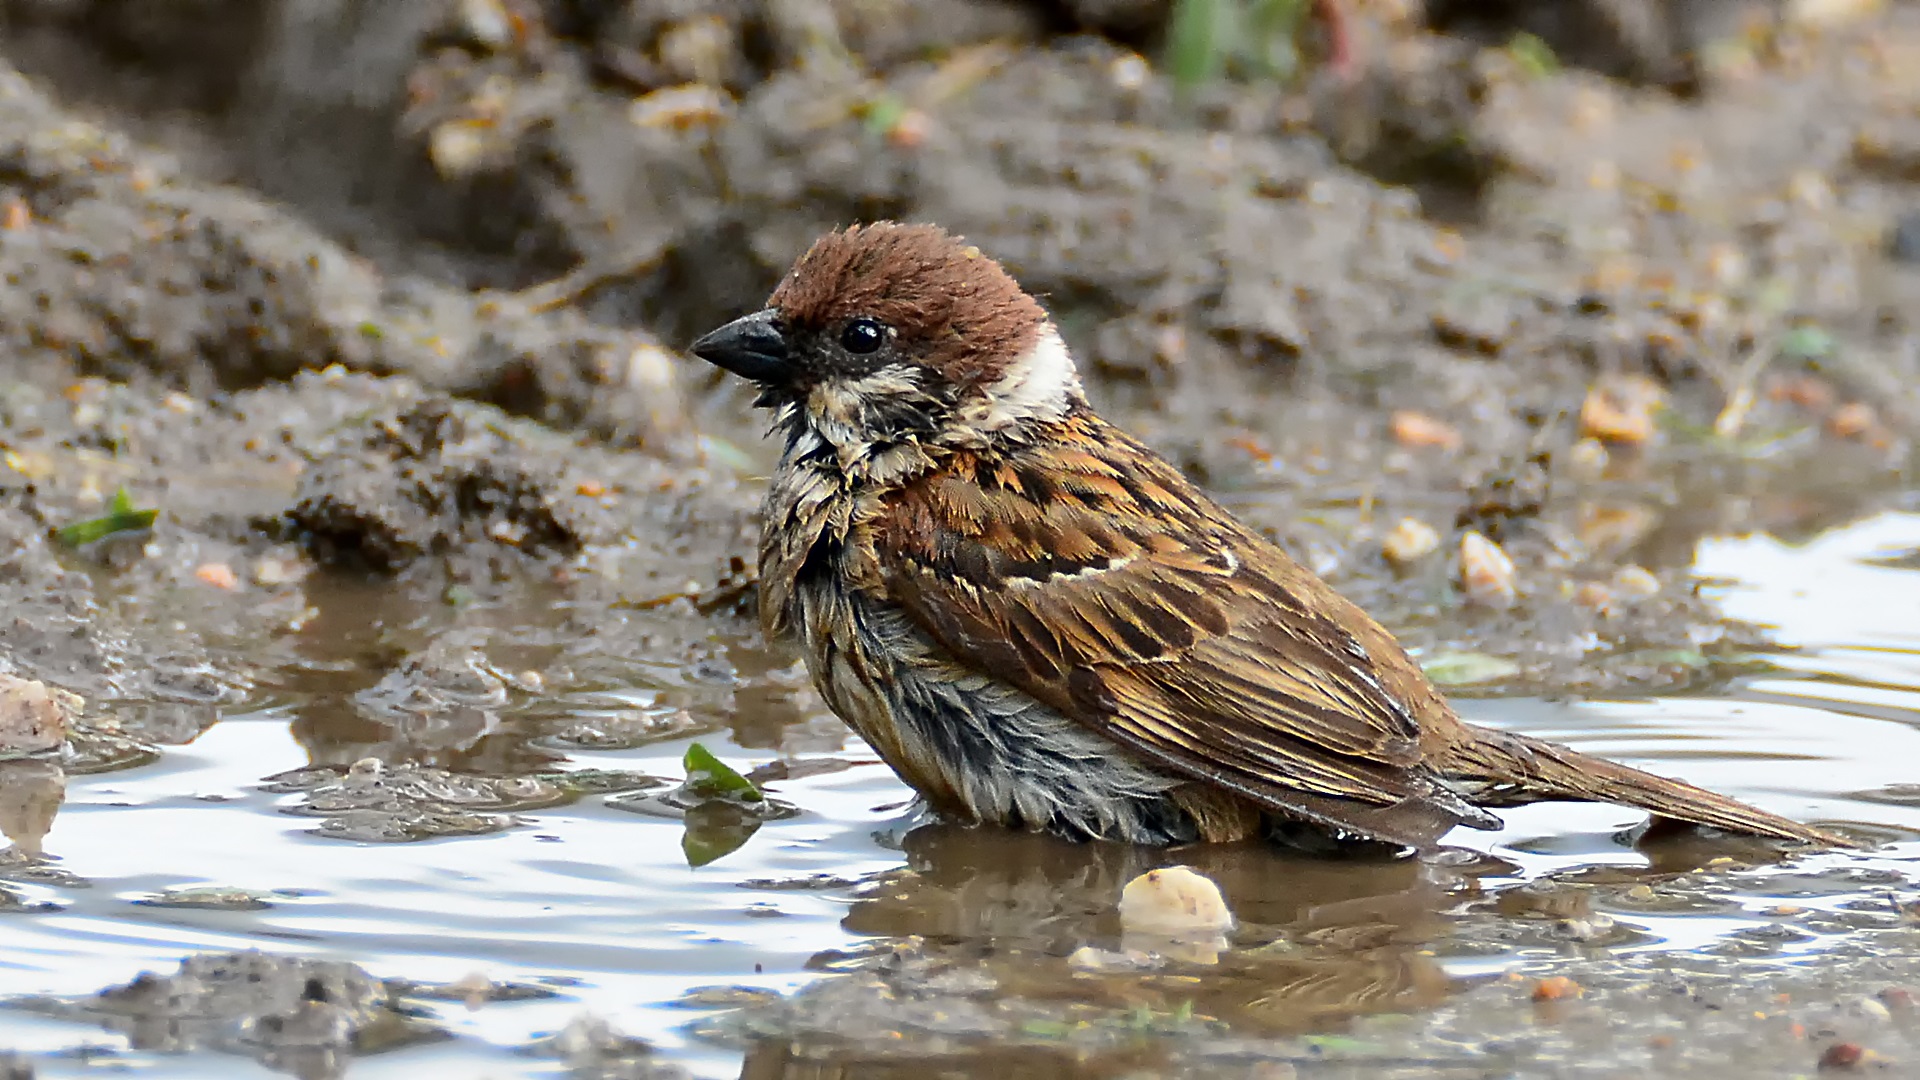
(751, 347)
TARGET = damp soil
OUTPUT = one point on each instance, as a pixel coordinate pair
(375, 763)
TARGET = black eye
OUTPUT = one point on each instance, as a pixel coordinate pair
(862, 336)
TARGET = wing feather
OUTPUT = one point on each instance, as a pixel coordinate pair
(1182, 634)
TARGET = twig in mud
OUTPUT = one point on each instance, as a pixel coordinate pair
(577, 282)
(1738, 386)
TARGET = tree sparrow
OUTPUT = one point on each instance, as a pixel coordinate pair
(1039, 623)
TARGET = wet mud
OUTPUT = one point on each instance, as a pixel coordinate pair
(1493, 316)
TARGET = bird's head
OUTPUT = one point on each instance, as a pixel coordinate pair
(886, 334)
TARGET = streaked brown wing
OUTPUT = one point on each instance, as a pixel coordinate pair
(1127, 600)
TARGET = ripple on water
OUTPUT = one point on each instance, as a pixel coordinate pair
(197, 852)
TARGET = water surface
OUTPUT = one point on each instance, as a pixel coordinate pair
(600, 904)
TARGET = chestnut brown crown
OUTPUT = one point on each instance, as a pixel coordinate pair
(871, 297)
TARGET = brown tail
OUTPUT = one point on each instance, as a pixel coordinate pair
(1522, 769)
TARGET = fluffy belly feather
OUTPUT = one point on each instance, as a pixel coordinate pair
(976, 748)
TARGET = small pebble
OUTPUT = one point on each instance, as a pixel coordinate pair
(1851, 421)
(1636, 581)
(1587, 459)
(487, 23)
(270, 571)
(1802, 391)
(456, 149)
(1556, 988)
(1417, 429)
(1596, 597)
(680, 108)
(1486, 573)
(1410, 541)
(217, 574)
(1129, 72)
(1621, 411)
(1174, 900)
(34, 717)
(910, 129)
(698, 50)
(1844, 1056)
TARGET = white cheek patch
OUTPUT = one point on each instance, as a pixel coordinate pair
(837, 409)
(843, 402)
(894, 380)
(1042, 385)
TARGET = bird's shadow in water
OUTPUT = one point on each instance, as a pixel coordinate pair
(1316, 939)
(1319, 940)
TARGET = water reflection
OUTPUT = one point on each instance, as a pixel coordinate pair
(1317, 938)
(30, 794)
(604, 906)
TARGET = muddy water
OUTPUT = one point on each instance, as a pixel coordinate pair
(591, 907)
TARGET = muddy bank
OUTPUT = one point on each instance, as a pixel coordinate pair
(310, 1018)
(274, 501)
(1699, 287)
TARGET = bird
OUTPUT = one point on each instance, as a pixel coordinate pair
(1039, 623)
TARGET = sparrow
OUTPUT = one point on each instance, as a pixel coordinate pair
(1039, 623)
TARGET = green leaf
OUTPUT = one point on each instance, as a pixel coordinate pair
(709, 777)
(1467, 668)
(1046, 1029)
(1534, 56)
(1807, 342)
(1195, 52)
(121, 517)
(883, 112)
(1272, 36)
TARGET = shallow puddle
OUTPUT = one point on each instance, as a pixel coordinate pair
(596, 904)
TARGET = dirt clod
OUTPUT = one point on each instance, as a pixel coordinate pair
(33, 717)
